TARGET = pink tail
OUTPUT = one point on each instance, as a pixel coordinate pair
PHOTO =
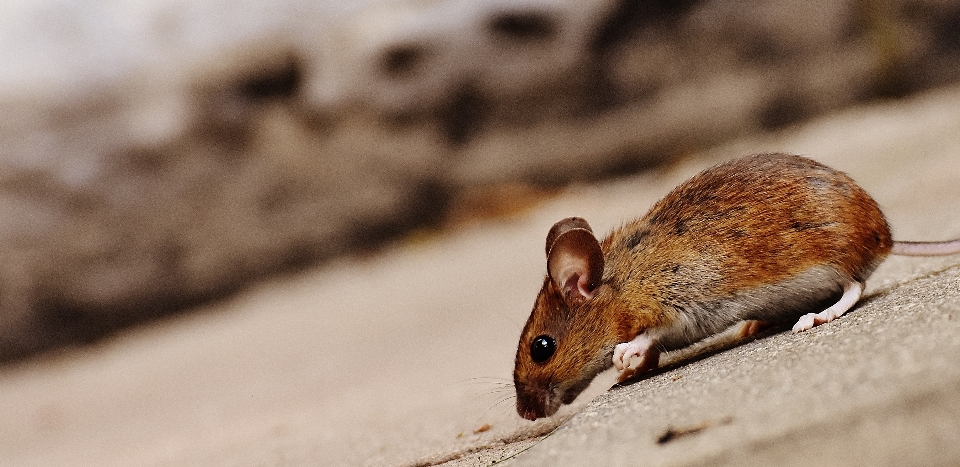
(950, 247)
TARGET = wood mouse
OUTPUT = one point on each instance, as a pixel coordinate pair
(764, 239)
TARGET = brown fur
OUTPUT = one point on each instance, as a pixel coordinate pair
(769, 236)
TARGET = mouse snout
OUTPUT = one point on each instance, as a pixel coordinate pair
(528, 412)
(533, 402)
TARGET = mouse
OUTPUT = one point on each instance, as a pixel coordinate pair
(762, 240)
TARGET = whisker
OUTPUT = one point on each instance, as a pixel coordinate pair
(489, 380)
(507, 408)
(493, 385)
(500, 390)
(503, 412)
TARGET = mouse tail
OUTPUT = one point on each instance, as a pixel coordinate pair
(949, 247)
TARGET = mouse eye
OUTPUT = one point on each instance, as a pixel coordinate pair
(542, 348)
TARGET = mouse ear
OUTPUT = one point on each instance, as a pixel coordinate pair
(574, 259)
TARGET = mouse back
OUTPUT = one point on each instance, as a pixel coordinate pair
(758, 220)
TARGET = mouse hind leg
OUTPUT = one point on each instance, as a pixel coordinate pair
(750, 328)
(851, 294)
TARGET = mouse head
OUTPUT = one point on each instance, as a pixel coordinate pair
(564, 343)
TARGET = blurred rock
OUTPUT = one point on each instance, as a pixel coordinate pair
(156, 154)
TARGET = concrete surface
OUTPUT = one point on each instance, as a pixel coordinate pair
(402, 357)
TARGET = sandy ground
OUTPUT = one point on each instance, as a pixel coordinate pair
(402, 357)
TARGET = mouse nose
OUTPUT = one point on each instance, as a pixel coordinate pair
(528, 413)
(529, 405)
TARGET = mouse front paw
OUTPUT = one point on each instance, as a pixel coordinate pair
(641, 346)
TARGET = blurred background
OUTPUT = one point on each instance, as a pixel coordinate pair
(159, 154)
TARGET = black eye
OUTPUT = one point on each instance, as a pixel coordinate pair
(542, 348)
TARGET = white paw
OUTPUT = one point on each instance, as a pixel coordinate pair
(811, 320)
(625, 351)
(806, 322)
(640, 346)
(851, 293)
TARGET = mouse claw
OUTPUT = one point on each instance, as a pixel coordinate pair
(624, 351)
(641, 346)
(620, 358)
